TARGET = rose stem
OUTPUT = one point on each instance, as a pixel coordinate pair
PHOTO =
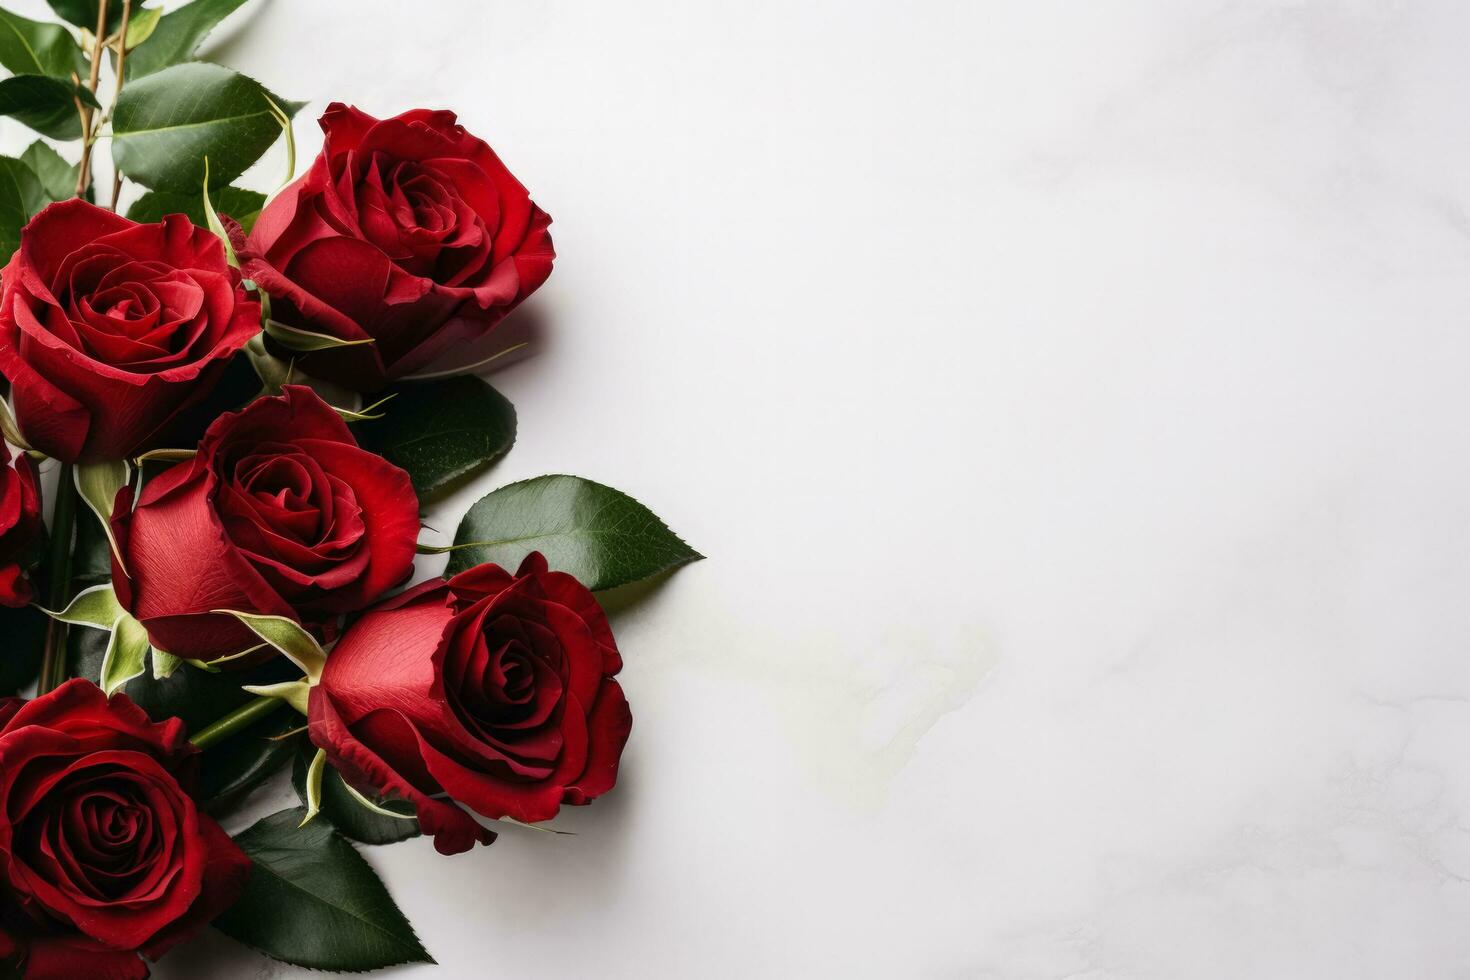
(58, 567)
(242, 717)
(122, 53)
(84, 172)
(64, 517)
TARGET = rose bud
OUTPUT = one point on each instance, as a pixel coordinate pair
(103, 853)
(494, 689)
(110, 328)
(20, 526)
(406, 231)
(279, 513)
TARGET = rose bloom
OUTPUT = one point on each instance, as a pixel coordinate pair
(406, 231)
(20, 526)
(280, 512)
(103, 853)
(494, 689)
(110, 328)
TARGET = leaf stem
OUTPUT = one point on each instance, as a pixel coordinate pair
(84, 171)
(58, 568)
(82, 114)
(242, 717)
(122, 54)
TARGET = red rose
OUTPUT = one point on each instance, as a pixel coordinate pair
(279, 513)
(109, 328)
(103, 853)
(494, 689)
(20, 525)
(408, 231)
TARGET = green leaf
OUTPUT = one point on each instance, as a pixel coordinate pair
(313, 901)
(92, 554)
(19, 192)
(340, 805)
(247, 759)
(295, 693)
(45, 104)
(127, 654)
(9, 428)
(443, 433)
(275, 372)
(164, 664)
(30, 47)
(96, 607)
(24, 630)
(165, 124)
(83, 13)
(296, 339)
(242, 205)
(33, 195)
(287, 636)
(283, 119)
(141, 25)
(211, 220)
(98, 484)
(178, 36)
(314, 770)
(601, 536)
(58, 178)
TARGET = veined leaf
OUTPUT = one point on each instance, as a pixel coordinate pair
(83, 13)
(444, 432)
(30, 47)
(19, 192)
(58, 178)
(165, 124)
(242, 205)
(178, 36)
(47, 105)
(601, 536)
(313, 901)
(141, 25)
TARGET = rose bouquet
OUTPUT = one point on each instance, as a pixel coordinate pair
(238, 405)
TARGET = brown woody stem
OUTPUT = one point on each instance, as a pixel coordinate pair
(84, 172)
(122, 54)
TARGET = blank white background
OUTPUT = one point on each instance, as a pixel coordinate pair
(1071, 399)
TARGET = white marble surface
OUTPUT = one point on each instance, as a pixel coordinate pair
(1071, 398)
